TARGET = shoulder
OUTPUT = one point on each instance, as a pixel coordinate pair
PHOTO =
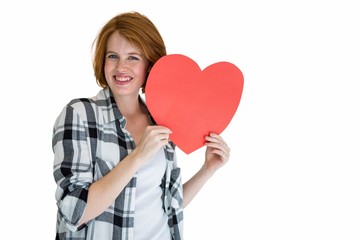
(86, 108)
(89, 104)
(97, 101)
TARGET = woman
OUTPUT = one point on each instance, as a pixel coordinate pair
(115, 168)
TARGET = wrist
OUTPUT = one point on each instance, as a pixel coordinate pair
(207, 171)
(137, 157)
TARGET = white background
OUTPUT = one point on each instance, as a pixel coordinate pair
(295, 138)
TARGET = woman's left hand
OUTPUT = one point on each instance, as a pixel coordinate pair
(217, 152)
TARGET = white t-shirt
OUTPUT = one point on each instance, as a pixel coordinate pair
(150, 221)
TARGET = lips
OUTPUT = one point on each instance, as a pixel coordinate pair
(122, 80)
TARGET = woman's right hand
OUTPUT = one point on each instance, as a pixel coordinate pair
(153, 139)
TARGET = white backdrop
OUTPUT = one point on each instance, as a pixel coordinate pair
(294, 168)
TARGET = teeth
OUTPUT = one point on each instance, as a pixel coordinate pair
(123, 79)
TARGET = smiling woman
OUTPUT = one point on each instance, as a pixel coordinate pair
(125, 67)
(294, 167)
(110, 152)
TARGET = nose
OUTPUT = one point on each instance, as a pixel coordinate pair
(122, 66)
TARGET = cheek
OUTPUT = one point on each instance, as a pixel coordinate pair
(108, 67)
(108, 71)
(141, 70)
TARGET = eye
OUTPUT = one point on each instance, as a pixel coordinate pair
(133, 58)
(112, 56)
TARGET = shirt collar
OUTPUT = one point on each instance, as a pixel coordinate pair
(109, 109)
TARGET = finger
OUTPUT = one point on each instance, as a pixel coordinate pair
(218, 147)
(222, 154)
(155, 129)
(218, 140)
(163, 129)
(164, 136)
(215, 138)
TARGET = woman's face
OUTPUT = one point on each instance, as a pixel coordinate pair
(125, 67)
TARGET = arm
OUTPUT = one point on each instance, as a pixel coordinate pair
(216, 155)
(104, 191)
(79, 198)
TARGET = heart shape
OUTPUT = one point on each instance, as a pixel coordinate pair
(191, 102)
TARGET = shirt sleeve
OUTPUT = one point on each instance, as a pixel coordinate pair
(73, 164)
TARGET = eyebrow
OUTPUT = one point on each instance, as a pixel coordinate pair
(130, 53)
(135, 53)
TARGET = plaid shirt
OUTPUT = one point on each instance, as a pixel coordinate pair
(89, 139)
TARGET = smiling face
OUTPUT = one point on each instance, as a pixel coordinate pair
(125, 66)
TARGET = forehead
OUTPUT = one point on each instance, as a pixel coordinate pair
(117, 42)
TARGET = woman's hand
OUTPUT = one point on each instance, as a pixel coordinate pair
(216, 155)
(217, 152)
(153, 139)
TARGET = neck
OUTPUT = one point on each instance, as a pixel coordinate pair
(129, 105)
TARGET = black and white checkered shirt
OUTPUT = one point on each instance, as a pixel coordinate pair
(89, 139)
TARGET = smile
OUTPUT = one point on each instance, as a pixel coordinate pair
(122, 80)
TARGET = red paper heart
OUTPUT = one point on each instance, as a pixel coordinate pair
(191, 102)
